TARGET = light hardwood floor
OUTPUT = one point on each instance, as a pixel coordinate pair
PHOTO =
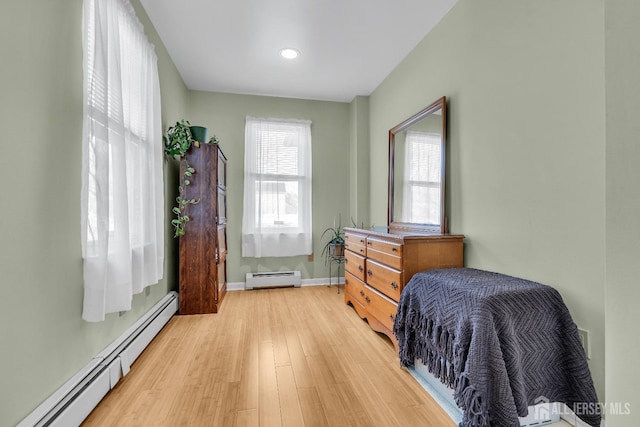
(276, 357)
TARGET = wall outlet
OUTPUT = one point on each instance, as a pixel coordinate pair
(584, 340)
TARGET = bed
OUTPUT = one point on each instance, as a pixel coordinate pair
(500, 343)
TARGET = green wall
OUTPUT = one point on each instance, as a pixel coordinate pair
(224, 115)
(44, 340)
(526, 154)
(359, 164)
(623, 207)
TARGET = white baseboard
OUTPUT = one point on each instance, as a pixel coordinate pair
(240, 286)
(570, 417)
(75, 399)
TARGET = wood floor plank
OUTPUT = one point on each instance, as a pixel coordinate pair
(280, 320)
(335, 409)
(299, 363)
(289, 401)
(247, 418)
(248, 354)
(269, 401)
(311, 407)
(226, 413)
(273, 357)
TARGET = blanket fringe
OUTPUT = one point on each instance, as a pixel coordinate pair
(433, 345)
(469, 400)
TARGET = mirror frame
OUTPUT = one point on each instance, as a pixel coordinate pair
(441, 228)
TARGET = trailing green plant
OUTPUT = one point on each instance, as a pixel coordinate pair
(181, 218)
(178, 139)
(177, 142)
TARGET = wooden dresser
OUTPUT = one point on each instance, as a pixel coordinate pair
(379, 265)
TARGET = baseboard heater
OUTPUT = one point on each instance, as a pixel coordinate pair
(75, 400)
(272, 279)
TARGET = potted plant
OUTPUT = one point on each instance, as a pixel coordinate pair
(176, 144)
(334, 248)
(199, 134)
(178, 139)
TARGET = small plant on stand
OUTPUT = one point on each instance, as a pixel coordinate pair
(334, 248)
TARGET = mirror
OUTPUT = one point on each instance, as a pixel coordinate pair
(417, 171)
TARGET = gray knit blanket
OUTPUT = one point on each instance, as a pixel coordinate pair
(501, 343)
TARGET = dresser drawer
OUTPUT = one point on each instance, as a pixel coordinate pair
(356, 243)
(381, 307)
(355, 265)
(387, 280)
(354, 287)
(389, 248)
(385, 258)
(385, 252)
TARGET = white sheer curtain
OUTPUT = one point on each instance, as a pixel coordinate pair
(422, 180)
(122, 180)
(276, 219)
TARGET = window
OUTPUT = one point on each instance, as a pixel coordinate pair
(122, 180)
(277, 188)
(422, 181)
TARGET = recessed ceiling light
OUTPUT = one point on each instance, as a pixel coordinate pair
(289, 53)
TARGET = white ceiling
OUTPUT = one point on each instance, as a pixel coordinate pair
(347, 47)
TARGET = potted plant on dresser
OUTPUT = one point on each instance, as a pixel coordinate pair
(178, 140)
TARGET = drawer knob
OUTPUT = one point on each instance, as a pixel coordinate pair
(362, 241)
(394, 285)
(369, 243)
(360, 268)
(367, 299)
(394, 249)
(362, 293)
(392, 317)
(370, 273)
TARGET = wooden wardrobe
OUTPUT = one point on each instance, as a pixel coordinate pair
(203, 247)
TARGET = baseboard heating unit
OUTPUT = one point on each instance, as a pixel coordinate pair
(272, 279)
(75, 400)
(542, 414)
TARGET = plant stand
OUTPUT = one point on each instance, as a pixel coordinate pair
(339, 261)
